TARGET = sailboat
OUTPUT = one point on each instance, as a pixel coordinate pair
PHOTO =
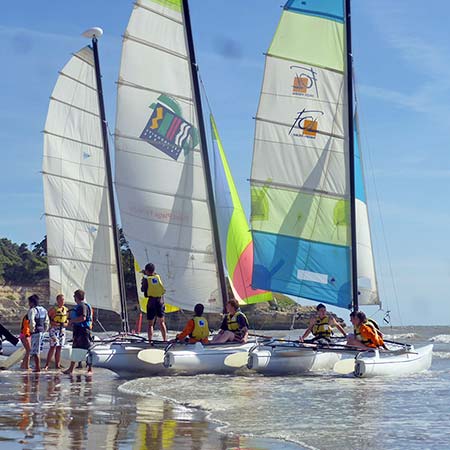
(309, 216)
(170, 215)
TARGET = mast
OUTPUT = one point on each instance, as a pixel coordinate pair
(207, 169)
(348, 35)
(94, 33)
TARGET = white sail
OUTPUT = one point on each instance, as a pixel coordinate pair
(160, 179)
(80, 236)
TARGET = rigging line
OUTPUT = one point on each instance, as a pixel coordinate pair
(386, 248)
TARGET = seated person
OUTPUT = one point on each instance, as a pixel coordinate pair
(367, 334)
(234, 326)
(320, 326)
(197, 328)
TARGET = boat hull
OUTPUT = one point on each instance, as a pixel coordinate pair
(290, 361)
(203, 358)
(376, 363)
(121, 358)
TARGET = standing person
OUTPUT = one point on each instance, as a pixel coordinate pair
(39, 323)
(25, 338)
(234, 326)
(197, 328)
(153, 289)
(59, 319)
(81, 320)
(320, 326)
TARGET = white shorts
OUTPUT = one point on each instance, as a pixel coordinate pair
(57, 336)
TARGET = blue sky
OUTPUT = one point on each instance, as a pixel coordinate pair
(402, 55)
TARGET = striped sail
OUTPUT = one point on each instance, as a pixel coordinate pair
(300, 191)
(160, 179)
(80, 239)
(235, 236)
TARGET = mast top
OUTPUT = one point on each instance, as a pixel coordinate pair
(94, 32)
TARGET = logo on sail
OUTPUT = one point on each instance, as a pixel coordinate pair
(305, 82)
(167, 130)
(306, 124)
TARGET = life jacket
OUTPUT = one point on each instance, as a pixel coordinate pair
(201, 328)
(25, 326)
(155, 287)
(61, 315)
(39, 319)
(233, 324)
(378, 340)
(321, 329)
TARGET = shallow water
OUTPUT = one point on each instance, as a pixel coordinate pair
(222, 412)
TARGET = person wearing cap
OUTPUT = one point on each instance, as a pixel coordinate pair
(321, 325)
(153, 289)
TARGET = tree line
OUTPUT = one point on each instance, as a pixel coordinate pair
(23, 264)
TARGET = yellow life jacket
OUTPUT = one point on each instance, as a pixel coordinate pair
(201, 328)
(232, 323)
(322, 329)
(61, 315)
(155, 287)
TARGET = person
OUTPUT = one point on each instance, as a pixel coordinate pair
(59, 319)
(39, 323)
(7, 335)
(367, 334)
(81, 320)
(197, 328)
(25, 338)
(234, 326)
(320, 326)
(153, 289)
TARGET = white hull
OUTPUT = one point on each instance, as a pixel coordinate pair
(121, 358)
(198, 358)
(372, 364)
(291, 360)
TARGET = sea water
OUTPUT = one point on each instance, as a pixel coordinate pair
(320, 411)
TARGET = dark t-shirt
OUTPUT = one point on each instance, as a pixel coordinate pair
(81, 310)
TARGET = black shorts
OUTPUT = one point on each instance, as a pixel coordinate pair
(155, 307)
(82, 338)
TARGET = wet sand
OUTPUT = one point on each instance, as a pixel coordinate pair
(55, 411)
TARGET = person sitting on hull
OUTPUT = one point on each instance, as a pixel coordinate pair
(366, 332)
(196, 329)
(153, 289)
(234, 326)
(321, 326)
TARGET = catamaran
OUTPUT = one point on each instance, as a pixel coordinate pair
(309, 214)
(173, 214)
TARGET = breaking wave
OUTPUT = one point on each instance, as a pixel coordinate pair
(441, 339)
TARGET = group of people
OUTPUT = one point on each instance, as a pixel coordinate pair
(366, 332)
(234, 327)
(38, 320)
